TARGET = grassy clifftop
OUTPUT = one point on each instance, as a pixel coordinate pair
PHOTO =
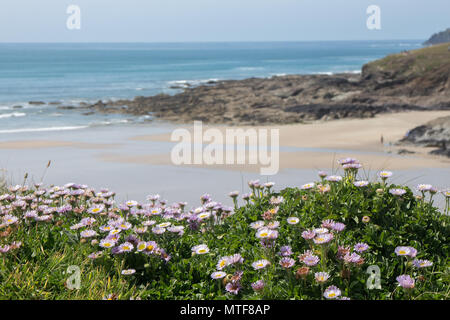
(422, 72)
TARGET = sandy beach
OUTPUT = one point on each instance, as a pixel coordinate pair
(134, 160)
(323, 142)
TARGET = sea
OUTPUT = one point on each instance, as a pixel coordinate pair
(67, 74)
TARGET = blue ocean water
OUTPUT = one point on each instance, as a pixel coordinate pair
(72, 73)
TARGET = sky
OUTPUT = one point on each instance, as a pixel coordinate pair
(219, 20)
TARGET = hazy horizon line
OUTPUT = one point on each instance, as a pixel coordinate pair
(206, 41)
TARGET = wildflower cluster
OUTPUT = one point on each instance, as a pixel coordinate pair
(312, 242)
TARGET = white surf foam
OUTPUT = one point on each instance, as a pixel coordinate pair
(12, 115)
(43, 129)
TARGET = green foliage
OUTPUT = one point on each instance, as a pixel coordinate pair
(38, 268)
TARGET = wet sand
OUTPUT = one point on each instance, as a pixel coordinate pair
(322, 143)
(135, 161)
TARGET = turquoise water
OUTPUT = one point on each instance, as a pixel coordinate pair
(71, 73)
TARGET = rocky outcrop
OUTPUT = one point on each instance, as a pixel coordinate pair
(435, 133)
(440, 37)
(415, 80)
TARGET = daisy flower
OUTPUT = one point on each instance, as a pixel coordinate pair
(352, 258)
(293, 220)
(323, 238)
(128, 272)
(164, 225)
(126, 247)
(151, 247)
(322, 174)
(324, 189)
(345, 161)
(235, 258)
(328, 224)
(422, 263)
(258, 285)
(74, 227)
(114, 232)
(350, 166)
(88, 233)
(233, 287)
(361, 184)
(176, 229)
(260, 264)
(273, 224)
(263, 233)
(424, 187)
(107, 243)
(287, 262)
(332, 292)
(334, 178)
(338, 226)
(96, 209)
(158, 230)
(321, 230)
(403, 251)
(200, 249)
(308, 186)
(218, 275)
(361, 247)
(140, 230)
(141, 246)
(8, 219)
(308, 234)
(131, 203)
(321, 277)
(286, 251)
(223, 262)
(204, 215)
(311, 260)
(385, 174)
(106, 228)
(124, 226)
(405, 281)
(233, 194)
(397, 192)
(277, 200)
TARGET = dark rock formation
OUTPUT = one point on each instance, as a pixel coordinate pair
(440, 37)
(435, 133)
(415, 80)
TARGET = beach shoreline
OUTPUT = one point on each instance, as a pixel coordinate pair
(134, 160)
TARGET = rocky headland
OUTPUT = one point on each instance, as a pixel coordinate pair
(434, 134)
(440, 37)
(411, 80)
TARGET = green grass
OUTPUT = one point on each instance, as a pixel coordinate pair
(39, 268)
(414, 63)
